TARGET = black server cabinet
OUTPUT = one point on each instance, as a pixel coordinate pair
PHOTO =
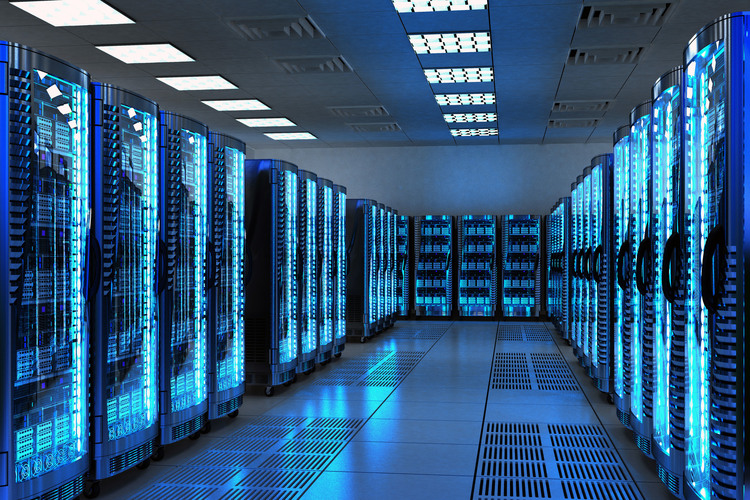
(520, 261)
(226, 275)
(433, 263)
(576, 227)
(339, 269)
(271, 284)
(124, 384)
(44, 210)
(362, 268)
(390, 265)
(477, 272)
(558, 266)
(325, 269)
(585, 296)
(183, 213)
(381, 259)
(404, 263)
(307, 271)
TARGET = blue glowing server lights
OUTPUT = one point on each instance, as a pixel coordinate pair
(44, 214)
(307, 271)
(520, 258)
(125, 237)
(183, 213)
(477, 273)
(326, 265)
(558, 265)
(226, 293)
(403, 264)
(339, 269)
(433, 247)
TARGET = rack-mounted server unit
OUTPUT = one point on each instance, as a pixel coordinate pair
(382, 262)
(271, 285)
(642, 339)
(390, 275)
(433, 262)
(403, 265)
(477, 269)
(307, 271)
(124, 384)
(558, 265)
(669, 310)
(226, 275)
(44, 221)
(183, 221)
(601, 269)
(339, 269)
(325, 271)
(716, 149)
(623, 293)
(520, 261)
(362, 268)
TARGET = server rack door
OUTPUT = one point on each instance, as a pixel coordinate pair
(392, 264)
(668, 314)
(549, 244)
(307, 275)
(381, 256)
(575, 196)
(477, 278)
(587, 226)
(340, 266)
(183, 400)
(642, 298)
(124, 326)
(403, 278)
(361, 283)
(433, 265)
(520, 264)
(716, 151)
(325, 271)
(226, 305)
(44, 207)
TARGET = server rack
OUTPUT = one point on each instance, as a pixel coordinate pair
(124, 324)
(601, 266)
(339, 269)
(520, 257)
(226, 294)
(403, 265)
(576, 226)
(44, 210)
(581, 347)
(716, 149)
(669, 315)
(477, 274)
(558, 265)
(642, 339)
(381, 257)
(271, 287)
(391, 215)
(307, 272)
(326, 287)
(433, 276)
(362, 268)
(183, 213)
(622, 312)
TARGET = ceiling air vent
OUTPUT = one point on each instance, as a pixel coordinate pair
(358, 111)
(580, 106)
(624, 14)
(573, 123)
(276, 28)
(314, 64)
(375, 127)
(605, 55)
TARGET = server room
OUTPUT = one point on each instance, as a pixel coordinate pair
(374, 249)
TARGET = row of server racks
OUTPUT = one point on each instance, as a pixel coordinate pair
(460, 266)
(648, 262)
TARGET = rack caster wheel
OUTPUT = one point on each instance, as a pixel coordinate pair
(338, 354)
(91, 489)
(206, 427)
(233, 414)
(610, 399)
(158, 454)
(195, 435)
(144, 465)
(269, 391)
(362, 340)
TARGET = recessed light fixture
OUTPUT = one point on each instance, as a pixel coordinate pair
(470, 117)
(74, 12)
(459, 75)
(237, 105)
(473, 132)
(143, 54)
(451, 43)
(211, 82)
(464, 99)
(438, 5)
(267, 122)
(291, 136)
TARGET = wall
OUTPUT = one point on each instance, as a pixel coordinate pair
(450, 179)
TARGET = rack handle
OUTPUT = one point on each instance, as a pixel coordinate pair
(596, 264)
(643, 265)
(670, 268)
(712, 268)
(623, 258)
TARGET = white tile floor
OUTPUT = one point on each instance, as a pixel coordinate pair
(407, 425)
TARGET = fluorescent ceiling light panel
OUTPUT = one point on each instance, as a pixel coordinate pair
(293, 136)
(143, 54)
(473, 132)
(459, 75)
(464, 99)
(267, 122)
(74, 12)
(470, 117)
(451, 43)
(237, 105)
(214, 82)
(438, 5)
